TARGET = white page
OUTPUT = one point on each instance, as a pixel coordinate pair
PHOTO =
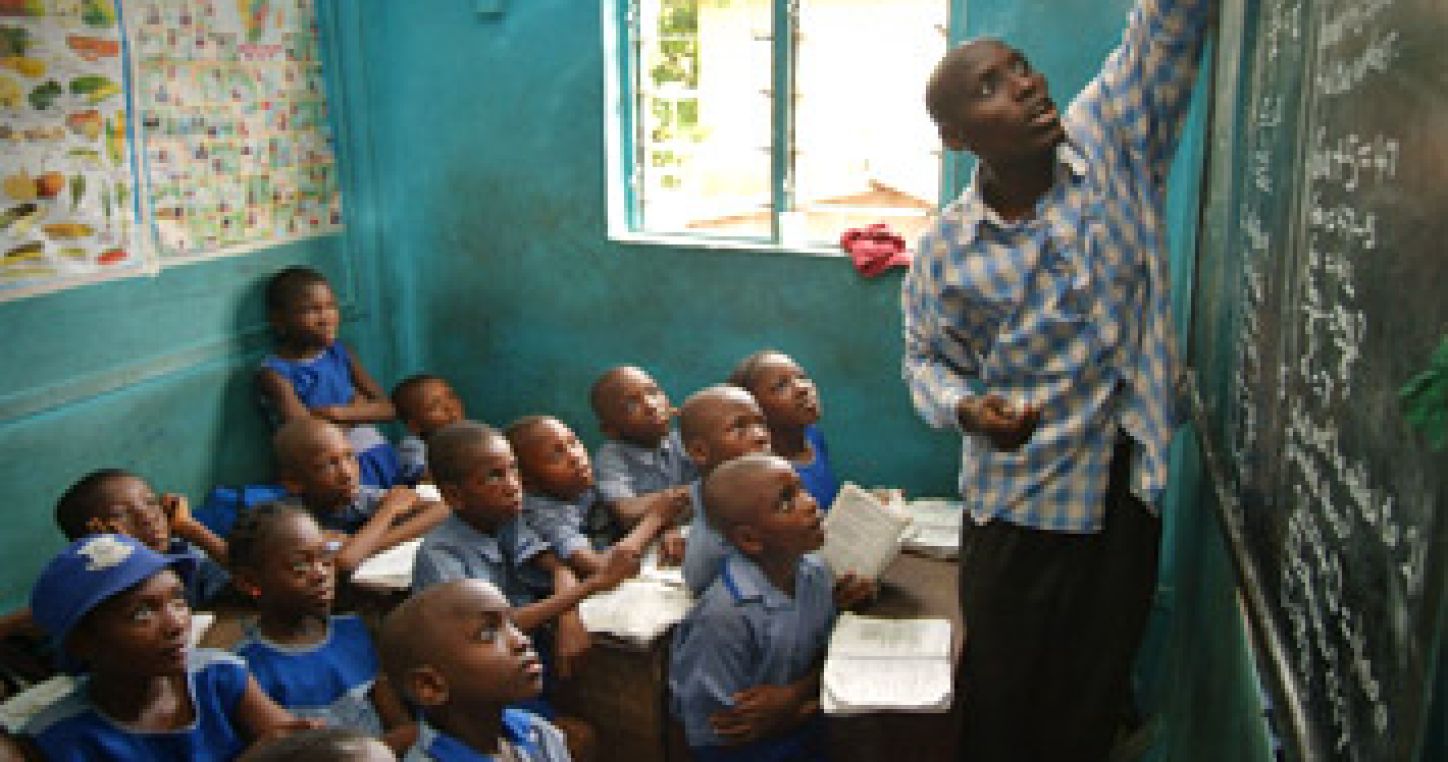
(934, 527)
(391, 569)
(862, 535)
(882, 664)
(651, 570)
(637, 610)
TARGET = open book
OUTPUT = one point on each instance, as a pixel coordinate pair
(934, 527)
(390, 569)
(862, 534)
(637, 612)
(887, 665)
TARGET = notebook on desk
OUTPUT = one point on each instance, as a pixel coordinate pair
(875, 664)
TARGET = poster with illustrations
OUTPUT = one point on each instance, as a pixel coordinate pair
(236, 148)
(68, 207)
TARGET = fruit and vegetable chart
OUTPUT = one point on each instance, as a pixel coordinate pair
(233, 116)
(69, 210)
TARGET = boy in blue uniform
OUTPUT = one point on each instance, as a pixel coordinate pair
(117, 610)
(312, 373)
(486, 538)
(424, 403)
(745, 669)
(718, 423)
(111, 500)
(455, 651)
(317, 465)
(563, 507)
(643, 453)
(311, 662)
(791, 405)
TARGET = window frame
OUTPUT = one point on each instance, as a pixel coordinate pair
(623, 175)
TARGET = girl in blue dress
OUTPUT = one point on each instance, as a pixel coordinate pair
(791, 405)
(311, 373)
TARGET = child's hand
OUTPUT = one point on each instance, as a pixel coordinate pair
(619, 563)
(671, 547)
(573, 644)
(397, 501)
(760, 711)
(178, 511)
(670, 504)
(852, 590)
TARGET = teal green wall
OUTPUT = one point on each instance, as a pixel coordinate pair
(148, 374)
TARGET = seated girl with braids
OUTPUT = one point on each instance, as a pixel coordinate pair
(310, 661)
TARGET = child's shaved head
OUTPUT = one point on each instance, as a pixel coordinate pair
(298, 438)
(699, 415)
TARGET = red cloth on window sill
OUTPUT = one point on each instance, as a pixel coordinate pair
(875, 249)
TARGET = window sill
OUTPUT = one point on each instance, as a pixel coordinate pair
(723, 244)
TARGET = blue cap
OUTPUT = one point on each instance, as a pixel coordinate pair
(87, 573)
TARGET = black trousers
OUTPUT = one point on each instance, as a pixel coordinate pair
(1052, 624)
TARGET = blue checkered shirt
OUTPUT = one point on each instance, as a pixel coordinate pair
(1069, 310)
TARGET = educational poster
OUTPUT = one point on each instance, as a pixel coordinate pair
(68, 213)
(237, 151)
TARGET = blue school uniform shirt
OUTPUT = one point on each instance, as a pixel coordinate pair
(568, 526)
(745, 632)
(532, 737)
(624, 469)
(455, 549)
(412, 458)
(73, 729)
(704, 549)
(1070, 310)
(350, 517)
(818, 475)
(327, 380)
(210, 578)
(332, 679)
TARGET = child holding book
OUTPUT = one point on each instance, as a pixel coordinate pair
(561, 504)
(311, 373)
(424, 403)
(642, 453)
(791, 404)
(456, 652)
(118, 612)
(314, 663)
(745, 669)
(317, 465)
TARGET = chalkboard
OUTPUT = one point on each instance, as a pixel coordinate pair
(1321, 288)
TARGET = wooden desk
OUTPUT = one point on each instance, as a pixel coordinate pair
(913, 586)
(623, 691)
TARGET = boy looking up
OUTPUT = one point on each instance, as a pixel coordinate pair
(745, 670)
(424, 403)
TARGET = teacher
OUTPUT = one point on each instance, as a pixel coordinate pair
(1038, 323)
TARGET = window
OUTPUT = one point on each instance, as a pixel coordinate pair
(776, 121)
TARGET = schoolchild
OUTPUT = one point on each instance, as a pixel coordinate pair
(455, 651)
(744, 676)
(486, 538)
(424, 403)
(791, 404)
(717, 424)
(562, 505)
(311, 373)
(314, 663)
(317, 465)
(642, 452)
(118, 610)
(112, 500)
(321, 745)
